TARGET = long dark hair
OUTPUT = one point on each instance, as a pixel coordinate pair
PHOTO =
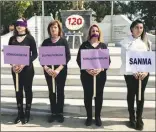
(143, 35)
(15, 33)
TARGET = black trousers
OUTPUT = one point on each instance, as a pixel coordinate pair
(87, 83)
(25, 81)
(56, 106)
(132, 91)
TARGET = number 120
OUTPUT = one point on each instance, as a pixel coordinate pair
(75, 21)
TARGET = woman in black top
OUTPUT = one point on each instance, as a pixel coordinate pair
(59, 72)
(93, 42)
(22, 37)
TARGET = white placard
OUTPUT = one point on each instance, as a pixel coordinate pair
(140, 61)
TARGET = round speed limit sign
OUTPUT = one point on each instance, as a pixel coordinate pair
(74, 22)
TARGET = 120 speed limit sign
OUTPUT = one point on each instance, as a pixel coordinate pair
(74, 22)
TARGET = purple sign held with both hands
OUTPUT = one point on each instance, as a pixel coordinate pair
(16, 54)
(52, 55)
(94, 58)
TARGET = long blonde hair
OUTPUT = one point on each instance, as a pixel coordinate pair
(100, 39)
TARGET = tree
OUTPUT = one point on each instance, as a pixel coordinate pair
(22, 6)
(144, 10)
(35, 7)
(55, 8)
(12, 10)
(101, 8)
(9, 14)
(147, 12)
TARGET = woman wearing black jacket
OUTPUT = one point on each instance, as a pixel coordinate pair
(22, 37)
(59, 72)
(93, 42)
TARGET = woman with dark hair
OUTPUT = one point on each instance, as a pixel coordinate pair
(138, 41)
(22, 37)
(59, 72)
(94, 42)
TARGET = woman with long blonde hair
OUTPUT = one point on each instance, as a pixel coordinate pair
(93, 42)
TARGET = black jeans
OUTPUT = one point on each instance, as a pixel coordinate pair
(57, 107)
(25, 81)
(87, 83)
(132, 90)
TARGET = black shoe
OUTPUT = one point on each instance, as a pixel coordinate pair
(98, 121)
(132, 124)
(132, 121)
(139, 124)
(60, 118)
(51, 118)
(27, 116)
(20, 118)
(88, 122)
(17, 120)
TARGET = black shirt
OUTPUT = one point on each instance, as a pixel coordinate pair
(28, 41)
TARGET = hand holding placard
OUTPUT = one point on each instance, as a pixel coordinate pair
(53, 55)
(143, 75)
(140, 62)
(94, 61)
(18, 56)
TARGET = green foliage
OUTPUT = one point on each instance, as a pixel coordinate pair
(35, 7)
(8, 13)
(22, 6)
(145, 10)
(55, 8)
(101, 8)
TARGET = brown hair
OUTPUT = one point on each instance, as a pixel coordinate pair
(100, 33)
(59, 26)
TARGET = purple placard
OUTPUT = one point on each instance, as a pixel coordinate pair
(16, 54)
(52, 55)
(94, 58)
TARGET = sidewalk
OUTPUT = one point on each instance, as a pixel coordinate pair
(39, 123)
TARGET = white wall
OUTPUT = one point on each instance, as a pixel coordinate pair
(121, 29)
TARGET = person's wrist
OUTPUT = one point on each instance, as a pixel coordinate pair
(13, 65)
(46, 68)
(22, 66)
(57, 71)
